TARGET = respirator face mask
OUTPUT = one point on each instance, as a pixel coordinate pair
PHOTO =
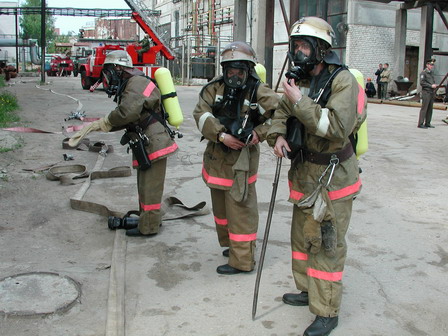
(236, 74)
(112, 77)
(302, 54)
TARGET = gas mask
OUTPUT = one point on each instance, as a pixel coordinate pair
(302, 64)
(235, 74)
(112, 77)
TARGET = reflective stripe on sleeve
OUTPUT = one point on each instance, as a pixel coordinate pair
(202, 120)
(242, 237)
(149, 88)
(324, 123)
(329, 276)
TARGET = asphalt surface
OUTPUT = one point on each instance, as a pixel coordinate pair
(395, 279)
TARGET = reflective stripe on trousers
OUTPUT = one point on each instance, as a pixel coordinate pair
(150, 185)
(236, 226)
(317, 274)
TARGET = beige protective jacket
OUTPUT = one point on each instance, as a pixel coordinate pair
(385, 76)
(327, 130)
(218, 159)
(139, 98)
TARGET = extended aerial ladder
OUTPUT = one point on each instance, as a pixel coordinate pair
(149, 24)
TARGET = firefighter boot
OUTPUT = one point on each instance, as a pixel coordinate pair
(322, 326)
(126, 223)
(135, 232)
(294, 299)
(229, 270)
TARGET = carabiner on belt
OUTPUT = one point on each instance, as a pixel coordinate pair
(334, 161)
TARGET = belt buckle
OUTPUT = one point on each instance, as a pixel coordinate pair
(334, 159)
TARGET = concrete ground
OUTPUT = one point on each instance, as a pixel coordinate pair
(395, 280)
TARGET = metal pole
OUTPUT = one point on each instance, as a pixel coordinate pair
(43, 42)
(17, 41)
(183, 64)
(217, 57)
(266, 236)
(269, 41)
(188, 60)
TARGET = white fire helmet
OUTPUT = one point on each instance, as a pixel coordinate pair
(119, 57)
(315, 27)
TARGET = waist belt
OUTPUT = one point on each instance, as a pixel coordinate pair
(143, 125)
(148, 121)
(324, 158)
(151, 119)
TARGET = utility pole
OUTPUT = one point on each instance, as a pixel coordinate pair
(43, 42)
(239, 17)
(17, 40)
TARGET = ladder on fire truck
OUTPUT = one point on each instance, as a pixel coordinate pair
(149, 24)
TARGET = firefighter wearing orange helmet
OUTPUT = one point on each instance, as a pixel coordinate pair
(231, 114)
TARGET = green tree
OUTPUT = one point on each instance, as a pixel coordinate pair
(51, 49)
(30, 24)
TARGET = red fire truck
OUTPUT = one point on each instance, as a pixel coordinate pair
(91, 70)
(60, 65)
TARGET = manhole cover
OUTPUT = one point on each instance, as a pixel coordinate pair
(37, 293)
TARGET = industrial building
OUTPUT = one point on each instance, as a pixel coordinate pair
(401, 33)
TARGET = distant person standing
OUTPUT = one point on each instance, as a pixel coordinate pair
(378, 77)
(384, 80)
(427, 82)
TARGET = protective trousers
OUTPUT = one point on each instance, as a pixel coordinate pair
(383, 89)
(318, 274)
(150, 185)
(236, 226)
(427, 107)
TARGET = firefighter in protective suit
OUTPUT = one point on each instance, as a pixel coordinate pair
(324, 174)
(139, 114)
(231, 114)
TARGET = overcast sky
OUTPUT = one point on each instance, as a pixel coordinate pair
(72, 23)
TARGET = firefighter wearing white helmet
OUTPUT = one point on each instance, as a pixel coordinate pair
(139, 112)
(231, 114)
(119, 57)
(315, 129)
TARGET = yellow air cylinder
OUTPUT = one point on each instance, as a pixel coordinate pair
(169, 96)
(362, 143)
(261, 72)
